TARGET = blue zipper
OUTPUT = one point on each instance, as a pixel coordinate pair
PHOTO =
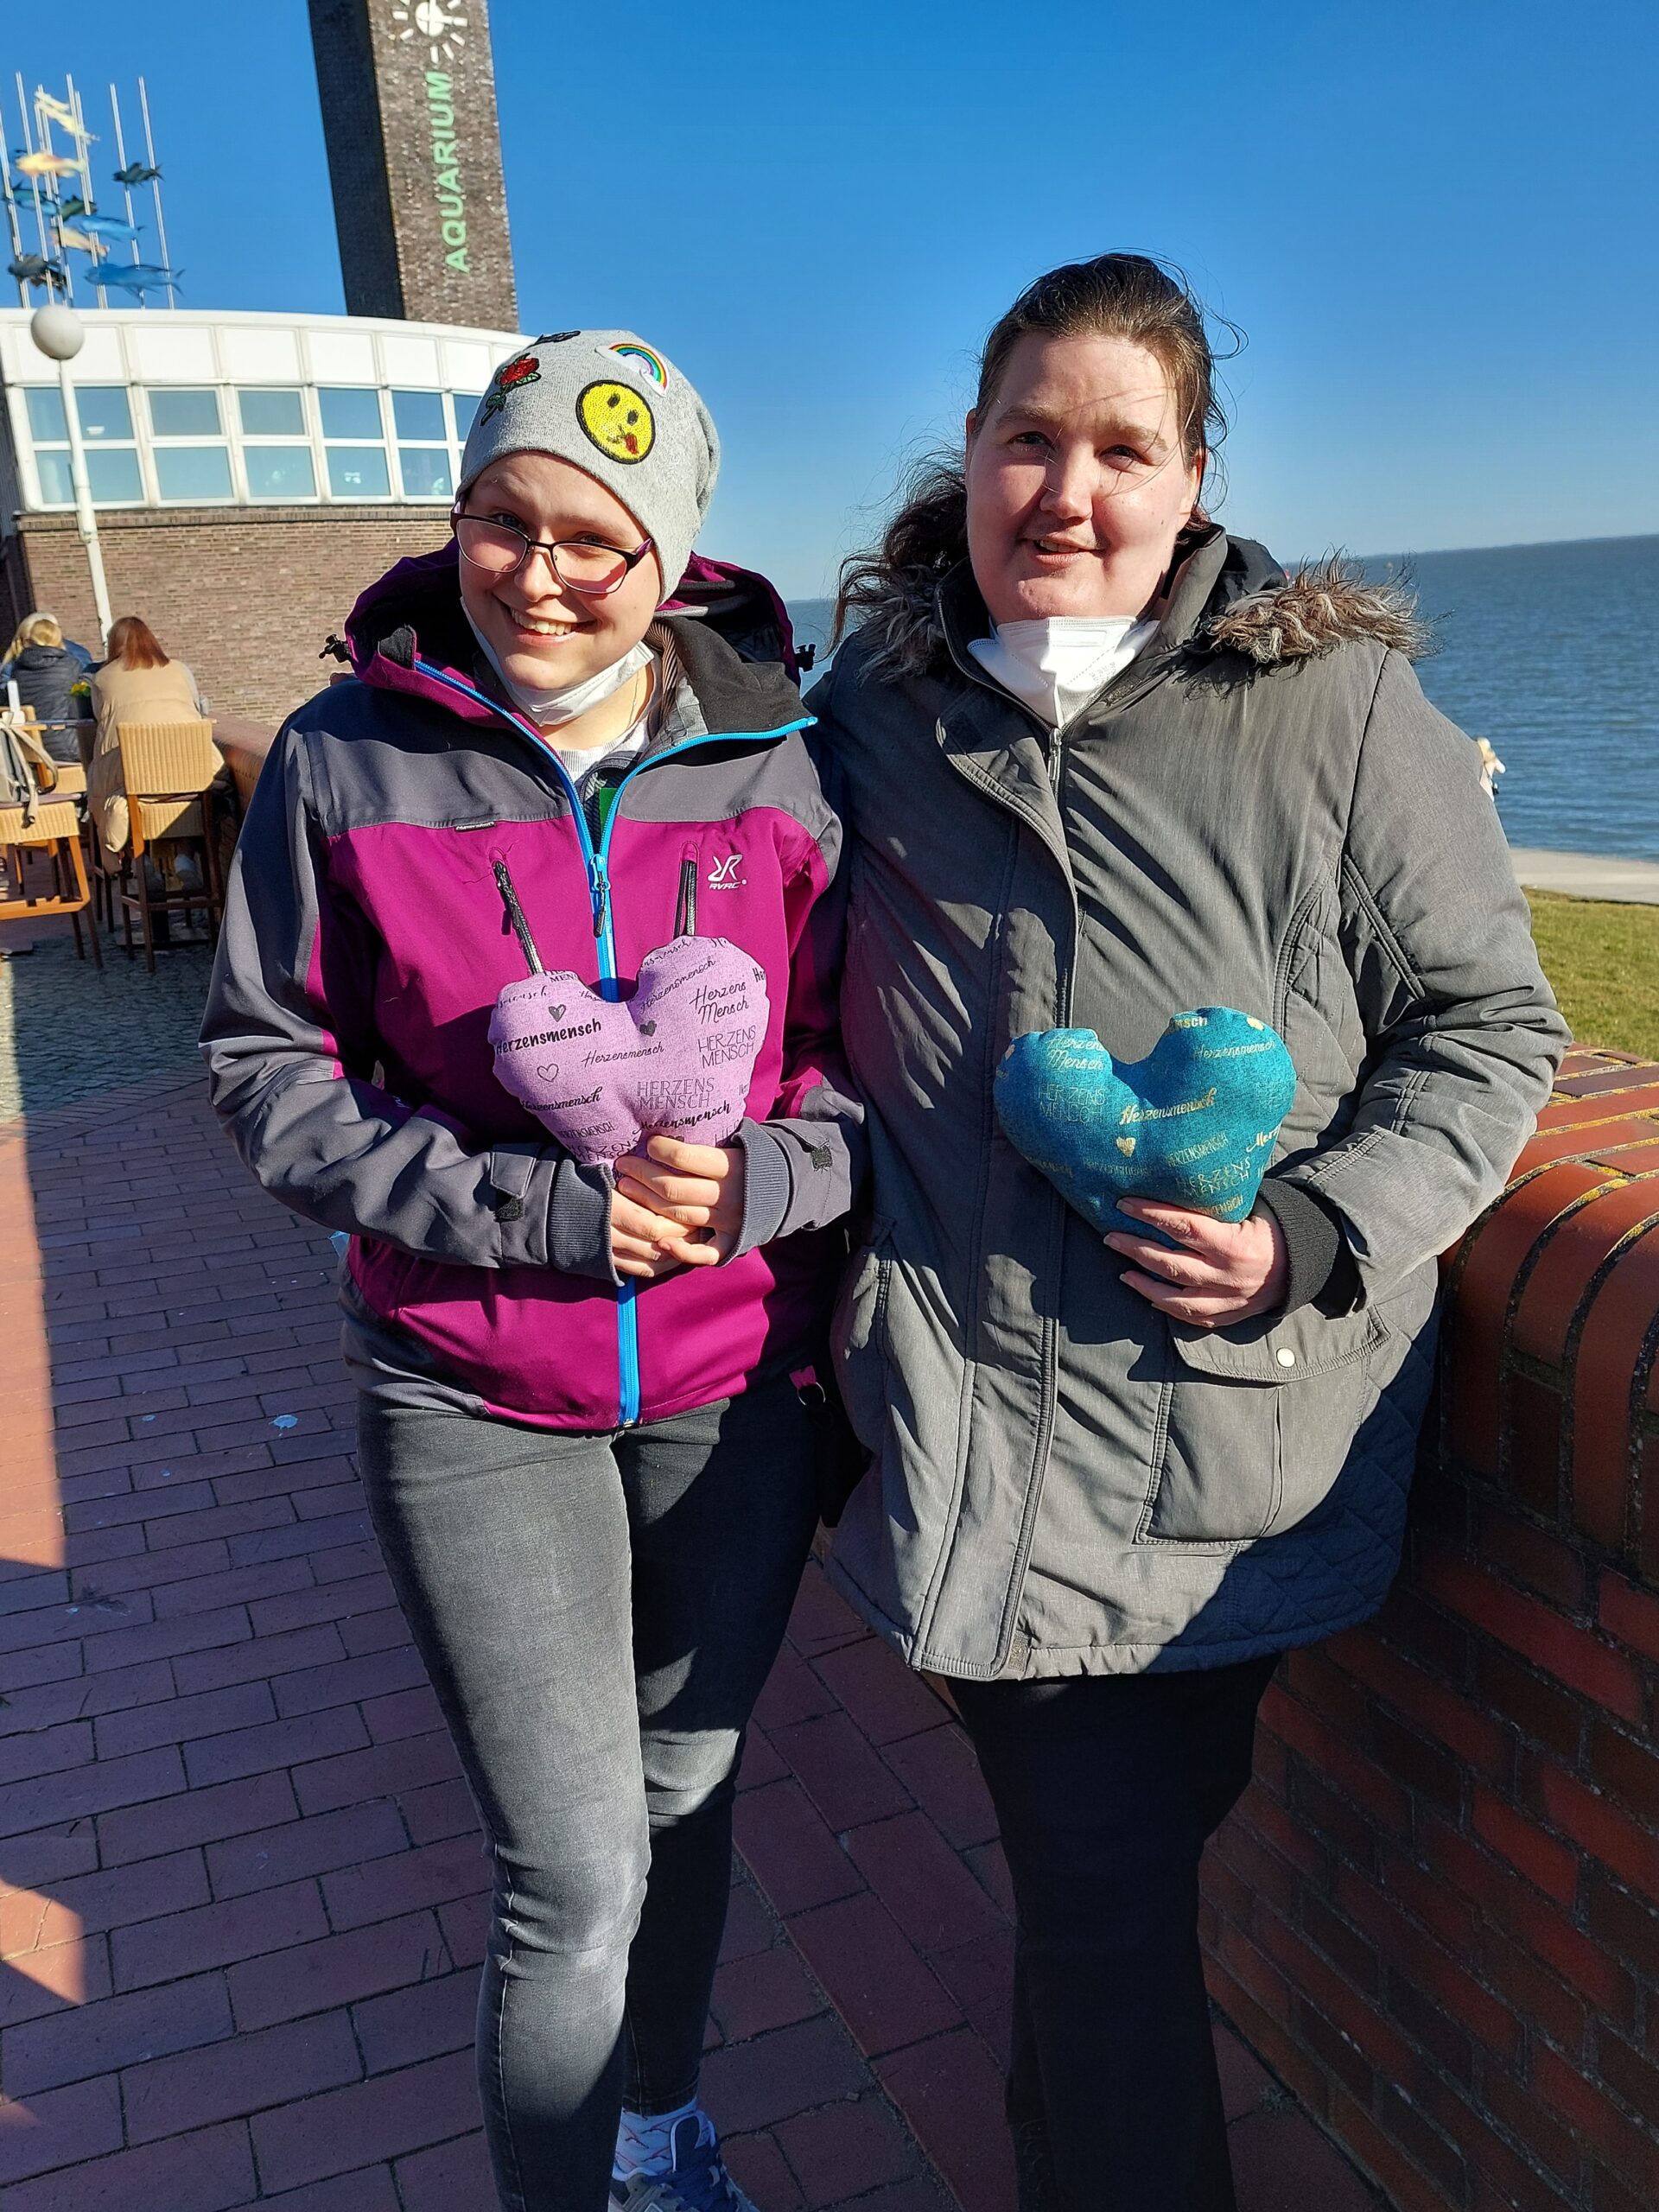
(596, 860)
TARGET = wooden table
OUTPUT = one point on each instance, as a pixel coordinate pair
(245, 745)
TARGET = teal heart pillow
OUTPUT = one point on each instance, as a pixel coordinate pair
(1193, 1123)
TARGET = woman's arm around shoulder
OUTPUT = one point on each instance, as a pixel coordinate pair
(290, 1047)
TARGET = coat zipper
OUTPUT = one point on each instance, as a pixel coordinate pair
(596, 859)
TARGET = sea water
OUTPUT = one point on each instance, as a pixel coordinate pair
(1547, 650)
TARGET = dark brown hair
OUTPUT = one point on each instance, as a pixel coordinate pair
(134, 644)
(1115, 296)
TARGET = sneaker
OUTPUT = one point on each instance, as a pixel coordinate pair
(699, 2182)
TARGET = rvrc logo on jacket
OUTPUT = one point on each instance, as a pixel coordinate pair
(723, 876)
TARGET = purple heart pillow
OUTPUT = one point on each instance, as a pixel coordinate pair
(676, 1059)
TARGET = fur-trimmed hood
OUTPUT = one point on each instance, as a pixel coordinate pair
(1255, 608)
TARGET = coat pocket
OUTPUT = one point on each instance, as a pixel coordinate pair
(1260, 1423)
(858, 1335)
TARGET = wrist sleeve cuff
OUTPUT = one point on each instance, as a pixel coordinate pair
(1320, 1267)
(768, 1185)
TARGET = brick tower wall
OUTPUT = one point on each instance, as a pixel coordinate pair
(410, 120)
(1437, 1911)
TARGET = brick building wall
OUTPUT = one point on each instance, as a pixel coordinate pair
(409, 116)
(245, 598)
(1437, 1911)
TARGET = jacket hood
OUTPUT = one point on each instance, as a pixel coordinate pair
(1246, 603)
(45, 656)
(413, 615)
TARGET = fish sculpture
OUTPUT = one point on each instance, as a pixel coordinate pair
(35, 165)
(139, 276)
(63, 114)
(78, 242)
(34, 269)
(101, 227)
(67, 210)
(137, 173)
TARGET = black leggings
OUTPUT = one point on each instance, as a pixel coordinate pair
(1107, 1787)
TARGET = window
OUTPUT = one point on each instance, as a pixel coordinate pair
(358, 472)
(113, 475)
(419, 416)
(47, 422)
(423, 444)
(466, 406)
(184, 414)
(271, 414)
(350, 413)
(193, 472)
(57, 485)
(280, 472)
(104, 412)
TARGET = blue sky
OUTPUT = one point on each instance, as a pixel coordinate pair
(1436, 223)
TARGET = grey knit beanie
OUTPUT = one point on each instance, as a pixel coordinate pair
(617, 408)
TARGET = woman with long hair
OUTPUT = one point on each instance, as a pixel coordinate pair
(1102, 762)
(138, 682)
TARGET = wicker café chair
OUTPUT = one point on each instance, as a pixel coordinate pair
(37, 825)
(167, 770)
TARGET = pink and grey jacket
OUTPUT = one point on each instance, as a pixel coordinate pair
(366, 940)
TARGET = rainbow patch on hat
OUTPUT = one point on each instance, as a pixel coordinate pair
(653, 363)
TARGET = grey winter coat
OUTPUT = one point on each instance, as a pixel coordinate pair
(1260, 811)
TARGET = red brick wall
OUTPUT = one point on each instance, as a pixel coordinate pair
(245, 597)
(1437, 1911)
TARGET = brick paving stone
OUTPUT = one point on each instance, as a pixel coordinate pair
(48, 1983)
(921, 1881)
(452, 2177)
(430, 1875)
(212, 2171)
(821, 1620)
(840, 2150)
(285, 1985)
(196, 1816)
(794, 1857)
(386, 1768)
(248, 2074)
(99, 2038)
(952, 2093)
(59, 2127)
(1282, 2164)
(181, 1719)
(278, 1744)
(214, 1934)
(847, 1780)
(759, 2167)
(113, 1897)
(376, 2119)
(769, 1989)
(877, 1983)
(358, 1835)
(371, 2189)
(421, 2022)
(343, 1681)
(266, 1658)
(941, 1773)
(756, 2084)
(887, 1701)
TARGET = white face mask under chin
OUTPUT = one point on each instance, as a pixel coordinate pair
(1055, 666)
(562, 703)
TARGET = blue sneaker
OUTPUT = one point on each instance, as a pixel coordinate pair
(699, 2182)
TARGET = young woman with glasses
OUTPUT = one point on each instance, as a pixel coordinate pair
(587, 1460)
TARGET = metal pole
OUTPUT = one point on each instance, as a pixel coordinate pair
(12, 223)
(47, 251)
(81, 139)
(155, 185)
(126, 190)
(86, 519)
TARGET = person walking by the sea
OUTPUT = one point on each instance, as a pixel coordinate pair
(590, 1466)
(1102, 761)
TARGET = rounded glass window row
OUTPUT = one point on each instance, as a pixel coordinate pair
(209, 446)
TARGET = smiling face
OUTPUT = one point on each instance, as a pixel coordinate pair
(543, 634)
(1077, 484)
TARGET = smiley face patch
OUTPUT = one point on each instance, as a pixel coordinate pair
(618, 420)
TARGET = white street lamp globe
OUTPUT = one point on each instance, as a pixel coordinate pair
(57, 332)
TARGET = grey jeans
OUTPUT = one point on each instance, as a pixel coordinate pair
(597, 1614)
